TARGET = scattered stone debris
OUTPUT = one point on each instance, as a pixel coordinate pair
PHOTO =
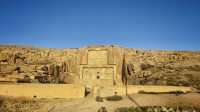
(158, 109)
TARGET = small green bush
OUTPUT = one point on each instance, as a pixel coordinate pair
(129, 109)
(176, 92)
(99, 99)
(145, 92)
(170, 92)
(114, 98)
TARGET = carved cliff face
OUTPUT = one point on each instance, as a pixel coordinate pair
(99, 65)
(90, 65)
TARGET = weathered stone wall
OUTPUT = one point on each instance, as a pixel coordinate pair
(43, 90)
(78, 91)
(132, 89)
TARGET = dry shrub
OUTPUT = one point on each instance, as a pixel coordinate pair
(174, 108)
(114, 98)
(18, 105)
(177, 92)
(99, 99)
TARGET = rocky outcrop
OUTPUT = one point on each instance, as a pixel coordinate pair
(29, 64)
(148, 67)
(177, 68)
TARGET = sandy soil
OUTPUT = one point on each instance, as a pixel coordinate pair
(87, 105)
(90, 105)
(167, 99)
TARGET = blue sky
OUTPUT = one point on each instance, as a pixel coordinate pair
(152, 24)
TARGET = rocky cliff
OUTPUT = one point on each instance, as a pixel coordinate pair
(152, 67)
(25, 64)
(148, 67)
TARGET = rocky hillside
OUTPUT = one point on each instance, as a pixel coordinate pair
(25, 64)
(149, 67)
(163, 67)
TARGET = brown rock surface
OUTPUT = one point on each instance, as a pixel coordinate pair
(148, 67)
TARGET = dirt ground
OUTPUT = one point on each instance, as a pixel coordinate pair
(90, 104)
(85, 105)
(192, 99)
